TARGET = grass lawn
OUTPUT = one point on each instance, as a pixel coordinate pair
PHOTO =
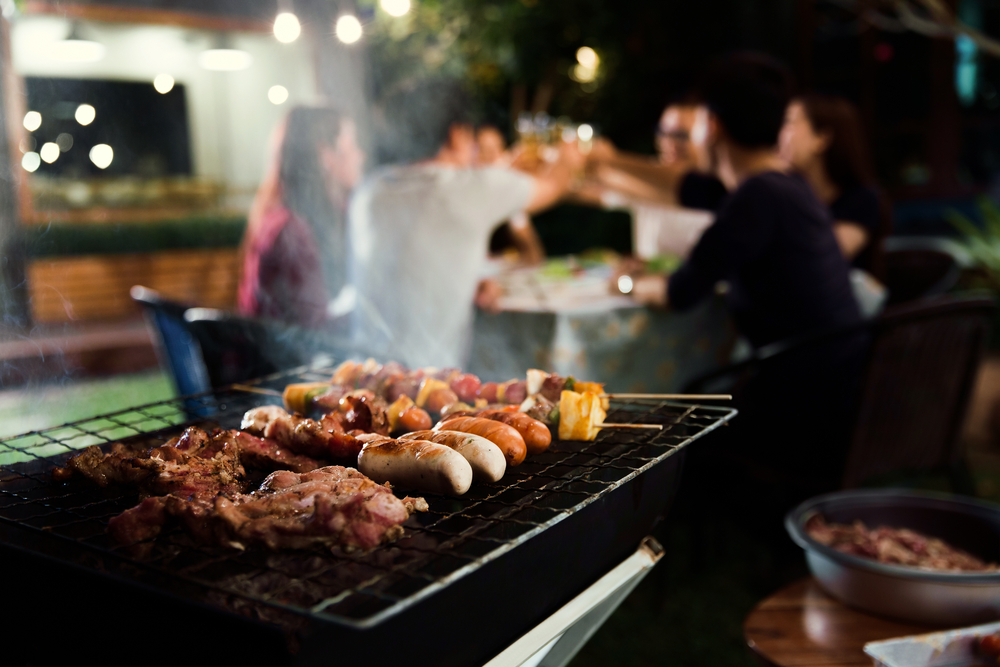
(33, 408)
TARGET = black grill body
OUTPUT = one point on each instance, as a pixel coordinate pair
(466, 579)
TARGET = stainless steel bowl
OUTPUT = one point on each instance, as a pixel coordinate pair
(905, 593)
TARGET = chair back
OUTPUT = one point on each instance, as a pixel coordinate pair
(176, 349)
(921, 370)
(919, 273)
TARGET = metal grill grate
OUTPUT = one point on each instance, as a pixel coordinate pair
(357, 589)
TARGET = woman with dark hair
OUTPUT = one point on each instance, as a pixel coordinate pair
(294, 250)
(823, 141)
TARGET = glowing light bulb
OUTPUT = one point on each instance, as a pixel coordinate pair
(31, 161)
(50, 152)
(585, 132)
(32, 121)
(163, 83)
(395, 7)
(287, 27)
(224, 60)
(277, 94)
(348, 29)
(625, 284)
(102, 155)
(588, 57)
(76, 51)
(85, 114)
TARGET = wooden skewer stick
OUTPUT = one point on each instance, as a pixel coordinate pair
(675, 397)
(255, 390)
(658, 427)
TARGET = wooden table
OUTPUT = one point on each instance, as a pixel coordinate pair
(801, 626)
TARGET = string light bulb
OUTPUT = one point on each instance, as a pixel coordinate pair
(163, 83)
(102, 155)
(49, 152)
(85, 114)
(395, 8)
(287, 27)
(348, 29)
(32, 121)
(277, 95)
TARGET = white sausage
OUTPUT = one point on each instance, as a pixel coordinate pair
(416, 464)
(487, 460)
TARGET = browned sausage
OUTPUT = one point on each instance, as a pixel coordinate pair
(536, 434)
(503, 436)
(414, 419)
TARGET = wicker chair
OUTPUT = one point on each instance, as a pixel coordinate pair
(918, 382)
(915, 388)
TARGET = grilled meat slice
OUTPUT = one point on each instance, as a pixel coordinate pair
(322, 440)
(329, 506)
(192, 465)
(267, 454)
(115, 467)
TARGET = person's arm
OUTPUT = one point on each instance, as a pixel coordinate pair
(742, 230)
(635, 175)
(851, 237)
(555, 182)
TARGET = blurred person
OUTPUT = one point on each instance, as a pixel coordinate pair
(822, 140)
(518, 233)
(677, 176)
(671, 200)
(294, 249)
(419, 230)
(773, 244)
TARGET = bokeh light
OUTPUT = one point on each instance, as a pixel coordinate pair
(224, 60)
(625, 284)
(50, 152)
(585, 132)
(85, 114)
(395, 7)
(102, 155)
(287, 27)
(277, 94)
(348, 29)
(64, 141)
(587, 57)
(76, 51)
(31, 161)
(163, 83)
(32, 121)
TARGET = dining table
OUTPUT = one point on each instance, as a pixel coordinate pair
(568, 322)
(802, 626)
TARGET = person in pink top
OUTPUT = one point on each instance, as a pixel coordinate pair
(294, 247)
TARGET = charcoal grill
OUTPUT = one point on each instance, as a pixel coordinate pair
(467, 578)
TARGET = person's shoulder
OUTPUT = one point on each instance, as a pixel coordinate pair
(767, 185)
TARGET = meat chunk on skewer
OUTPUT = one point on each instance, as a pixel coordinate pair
(324, 439)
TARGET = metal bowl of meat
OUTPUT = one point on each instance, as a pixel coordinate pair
(857, 542)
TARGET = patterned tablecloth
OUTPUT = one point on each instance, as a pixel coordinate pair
(628, 347)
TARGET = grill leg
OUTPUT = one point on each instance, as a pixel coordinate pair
(555, 641)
